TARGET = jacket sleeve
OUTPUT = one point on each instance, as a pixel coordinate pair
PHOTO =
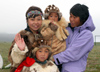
(47, 33)
(17, 55)
(78, 48)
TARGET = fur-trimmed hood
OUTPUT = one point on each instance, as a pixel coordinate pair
(50, 9)
(42, 46)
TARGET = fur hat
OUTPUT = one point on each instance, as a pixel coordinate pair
(41, 43)
(52, 8)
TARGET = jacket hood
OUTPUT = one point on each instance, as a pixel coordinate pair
(88, 24)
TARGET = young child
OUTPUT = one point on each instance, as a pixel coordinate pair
(54, 29)
(42, 54)
(23, 41)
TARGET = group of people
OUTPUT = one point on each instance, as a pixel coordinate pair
(53, 44)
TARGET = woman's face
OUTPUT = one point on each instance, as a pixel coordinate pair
(74, 20)
(42, 54)
(35, 23)
(53, 16)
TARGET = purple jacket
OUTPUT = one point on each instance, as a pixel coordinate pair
(79, 43)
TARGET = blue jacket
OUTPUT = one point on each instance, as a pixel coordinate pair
(79, 43)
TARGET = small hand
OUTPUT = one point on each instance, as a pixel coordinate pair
(53, 26)
(20, 42)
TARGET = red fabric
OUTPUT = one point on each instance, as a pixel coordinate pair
(28, 62)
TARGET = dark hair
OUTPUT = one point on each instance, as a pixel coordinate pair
(33, 8)
(81, 11)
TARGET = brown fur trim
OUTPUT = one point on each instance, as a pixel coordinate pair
(12, 69)
(63, 22)
(29, 39)
(37, 48)
(50, 64)
(47, 33)
(27, 69)
(52, 8)
(9, 54)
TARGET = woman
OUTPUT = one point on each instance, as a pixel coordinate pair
(20, 47)
(79, 42)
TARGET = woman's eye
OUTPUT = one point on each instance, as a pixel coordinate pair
(32, 19)
(39, 19)
(56, 16)
(40, 51)
(75, 16)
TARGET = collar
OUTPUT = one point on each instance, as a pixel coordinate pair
(40, 61)
(72, 28)
(30, 30)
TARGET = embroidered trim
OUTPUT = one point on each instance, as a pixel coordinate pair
(34, 12)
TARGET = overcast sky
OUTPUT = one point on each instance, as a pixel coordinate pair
(12, 12)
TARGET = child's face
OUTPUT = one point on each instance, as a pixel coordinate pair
(74, 20)
(42, 54)
(53, 16)
(35, 23)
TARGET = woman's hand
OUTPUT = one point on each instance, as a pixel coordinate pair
(20, 42)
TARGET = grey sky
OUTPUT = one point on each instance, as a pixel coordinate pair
(12, 12)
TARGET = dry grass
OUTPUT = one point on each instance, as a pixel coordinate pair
(93, 62)
(4, 48)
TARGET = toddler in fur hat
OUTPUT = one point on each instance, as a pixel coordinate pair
(41, 54)
(54, 29)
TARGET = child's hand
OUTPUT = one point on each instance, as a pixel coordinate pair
(20, 42)
(53, 26)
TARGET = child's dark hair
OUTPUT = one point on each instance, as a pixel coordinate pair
(31, 9)
(80, 11)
